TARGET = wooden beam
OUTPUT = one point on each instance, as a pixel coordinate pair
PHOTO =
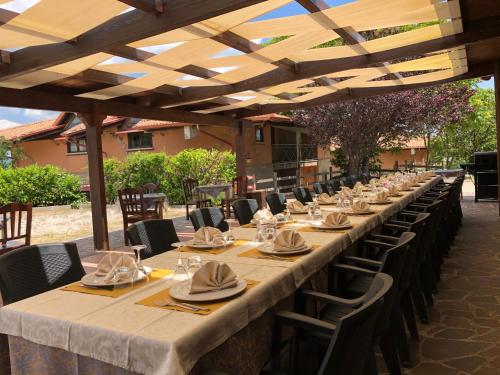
(355, 93)
(497, 107)
(93, 122)
(145, 5)
(309, 69)
(61, 102)
(120, 30)
(240, 147)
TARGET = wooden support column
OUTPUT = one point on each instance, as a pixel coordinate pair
(298, 142)
(93, 122)
(497, 106)
(240, 148)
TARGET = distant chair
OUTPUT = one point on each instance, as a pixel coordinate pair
(190, 198)
(244, 209)
(320, 187)
(151, 188)
(209, 217)
(15, 226)
(333, 185)
(302, 194)
(133, 208)
(157, 235)
(276, 202)
(239, 187)
(31, 270)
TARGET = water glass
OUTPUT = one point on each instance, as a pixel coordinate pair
(287, 214)
(219, 239)
(194, 264)
(229, 235)
(318, 216)
(269, 237)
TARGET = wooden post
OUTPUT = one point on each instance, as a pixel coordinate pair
(240, 148)
(497, 105)
(93, 122)
(298, 140)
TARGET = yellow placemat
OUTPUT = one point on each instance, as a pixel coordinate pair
(312, 230)
(280, 225)
(256, 254)
(217, 251)
(156, 274)
(211, 306)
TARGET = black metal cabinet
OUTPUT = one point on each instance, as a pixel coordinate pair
(485, 175)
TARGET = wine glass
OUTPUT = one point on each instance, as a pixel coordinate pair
(219, 239)
(193, 265)
(229, 235)
(287, 214)
(137, 250)
(318, 216)
(269, 237)
(180, 271)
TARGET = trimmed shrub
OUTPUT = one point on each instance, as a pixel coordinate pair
(42, 186)
(114, 178)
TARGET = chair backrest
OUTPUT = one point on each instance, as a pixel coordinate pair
(352, 342)
(188, 185)
(240, 186)
(132, 201)
(15, 223)
(320, 187)
(302, 194)
(244, 209)
(150, 187)
(394, 258)
(31, 270)
(333, 185)
(276, 202)
(157, 235)
(209, 217)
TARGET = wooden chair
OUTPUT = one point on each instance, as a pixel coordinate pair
(153, 206)
(133, 208)
(239, 186)
(15, 227)
(188, 186)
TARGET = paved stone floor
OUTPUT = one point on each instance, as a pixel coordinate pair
(463, 336)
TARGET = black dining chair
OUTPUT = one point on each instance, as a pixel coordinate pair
(320, 188)
(244, 209)
(31, 270)
(302, 194)
(209, 217)
(348, 342)
(276, 202)
(157, 235)
(333, 185)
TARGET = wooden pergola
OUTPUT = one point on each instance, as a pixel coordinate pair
(201, 61)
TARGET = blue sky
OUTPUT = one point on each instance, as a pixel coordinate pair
(24, 116)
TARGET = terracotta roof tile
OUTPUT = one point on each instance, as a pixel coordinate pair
(415, 143)
(80, 128)
(24, 131)
(157, 124)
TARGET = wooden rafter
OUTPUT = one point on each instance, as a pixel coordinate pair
(146, 5)
(120, 30)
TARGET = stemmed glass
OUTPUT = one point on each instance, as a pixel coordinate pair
(180, 271)
(194, 264)
(286, 212)
(137, 250)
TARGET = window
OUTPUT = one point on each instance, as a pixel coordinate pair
(76, 146)
(259, 134)
(140, 140)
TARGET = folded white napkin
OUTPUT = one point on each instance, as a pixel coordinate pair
(393, 190)
(263, 214)
(213, 276)
(381, 196)
(111, 262)
(360, 206)
(289, 239)
(374, 181)
(205, 236)
(358, 184)
(346, 190)
(405, 185)
(336, 219)
(325, 198)
(295, 206)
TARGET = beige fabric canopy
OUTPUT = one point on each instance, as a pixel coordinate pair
(230, 49)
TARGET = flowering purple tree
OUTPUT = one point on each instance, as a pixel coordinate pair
(362, 127)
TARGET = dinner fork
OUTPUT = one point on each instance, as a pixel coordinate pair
(187, 306)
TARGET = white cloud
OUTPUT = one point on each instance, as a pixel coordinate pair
(161, 47)
(19, 6)
(37, 114)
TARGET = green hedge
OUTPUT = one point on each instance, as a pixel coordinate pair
(139, 168)
(42, 186)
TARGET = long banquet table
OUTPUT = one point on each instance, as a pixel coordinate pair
(63, 332)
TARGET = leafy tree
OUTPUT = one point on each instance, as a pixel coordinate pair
(10, 153)
(475, 132)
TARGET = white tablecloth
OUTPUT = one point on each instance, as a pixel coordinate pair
(150, 340)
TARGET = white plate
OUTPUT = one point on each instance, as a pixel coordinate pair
(327, 204)
(200, 246)
(262, 248)
(91, 279)
(305, 211)
(322, 225)
(349, 211)
(180, 291)
(380, 202)
(254, 222)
